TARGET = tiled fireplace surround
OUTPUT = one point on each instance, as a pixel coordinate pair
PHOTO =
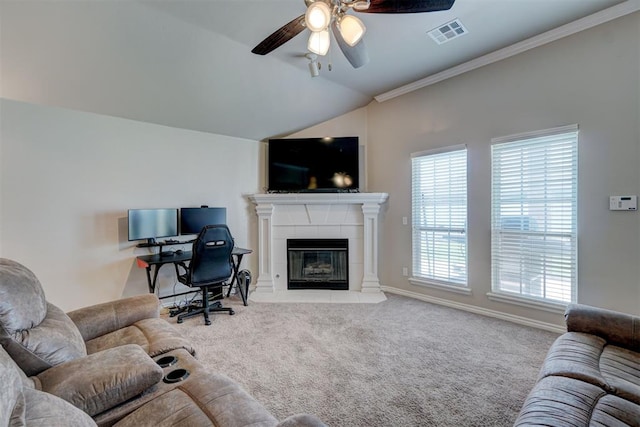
(353, 216)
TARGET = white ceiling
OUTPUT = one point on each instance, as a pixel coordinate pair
(188, 63)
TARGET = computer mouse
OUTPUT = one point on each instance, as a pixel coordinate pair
(179, 251)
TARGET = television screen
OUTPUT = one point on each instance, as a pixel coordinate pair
(313, 164)
(152, 223)
(192, 220)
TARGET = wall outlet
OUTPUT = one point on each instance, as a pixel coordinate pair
(404, 220)
(405, 271)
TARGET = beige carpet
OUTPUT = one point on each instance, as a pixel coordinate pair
(402, 362)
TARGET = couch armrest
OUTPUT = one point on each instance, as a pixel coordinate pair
(617, 328)
(97, 320)
(101, 380)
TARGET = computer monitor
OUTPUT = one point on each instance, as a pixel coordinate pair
(150, 224)
(193, 220)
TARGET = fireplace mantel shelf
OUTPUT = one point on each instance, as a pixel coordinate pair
(319, 198)
(318, 215)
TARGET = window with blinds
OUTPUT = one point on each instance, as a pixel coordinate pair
(534, 215)
(439, 216)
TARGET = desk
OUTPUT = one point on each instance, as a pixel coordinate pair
(157, 261)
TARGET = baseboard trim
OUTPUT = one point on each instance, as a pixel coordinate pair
(477, 310)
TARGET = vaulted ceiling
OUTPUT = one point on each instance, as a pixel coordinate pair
(188, 63)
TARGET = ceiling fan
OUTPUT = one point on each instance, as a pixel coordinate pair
(347, 29)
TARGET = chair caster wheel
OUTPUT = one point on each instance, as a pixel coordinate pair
(207, 322)
(231, 312)
(180, 320)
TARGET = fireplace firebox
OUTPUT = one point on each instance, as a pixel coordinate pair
(318, 264)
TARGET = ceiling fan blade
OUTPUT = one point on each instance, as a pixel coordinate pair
(280, 36)
(356, 55)
(407, 6)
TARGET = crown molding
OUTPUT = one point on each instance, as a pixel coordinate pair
(606, 15)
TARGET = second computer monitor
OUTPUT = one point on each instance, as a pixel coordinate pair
(192, 220)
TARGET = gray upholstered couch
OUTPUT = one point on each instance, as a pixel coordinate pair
(116, 363)
(591, 374)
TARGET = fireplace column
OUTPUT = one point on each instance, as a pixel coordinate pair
(265, 279)
(370, 281)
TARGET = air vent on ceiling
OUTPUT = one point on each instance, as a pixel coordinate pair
(448, 31)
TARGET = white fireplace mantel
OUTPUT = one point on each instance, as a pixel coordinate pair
(311, 215)
(319, 198)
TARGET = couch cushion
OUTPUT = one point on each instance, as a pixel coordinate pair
(47, 410)
(100, 319)
(21, 405)
(156, 336)
(103, 380)
(621, 369)
(35, 333)
(55, 340)
(22, 300)
(615, 411)
(589, 358)
(567, 402)
(576, 355)
(11, 395)
(208, 399)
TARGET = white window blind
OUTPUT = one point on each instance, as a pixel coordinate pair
(534, 215)
(439, 216)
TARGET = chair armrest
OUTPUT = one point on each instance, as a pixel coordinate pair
(301, 420)
(617, 328)
(97, 320)
(101, 380)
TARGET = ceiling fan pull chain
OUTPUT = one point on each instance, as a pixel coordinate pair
(330, 58)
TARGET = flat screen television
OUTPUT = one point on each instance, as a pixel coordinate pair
(313, 164)
(192, 220)
(150, 224)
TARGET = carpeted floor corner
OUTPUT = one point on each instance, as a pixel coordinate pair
(402, 362)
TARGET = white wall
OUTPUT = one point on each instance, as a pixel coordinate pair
(591, 78)
(68, 178)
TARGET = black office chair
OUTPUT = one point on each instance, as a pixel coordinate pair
(210, 268)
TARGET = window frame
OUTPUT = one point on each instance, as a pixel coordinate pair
(418, 243)
(558, 227)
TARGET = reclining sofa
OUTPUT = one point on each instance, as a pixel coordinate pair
(116, 363)
(591, 374)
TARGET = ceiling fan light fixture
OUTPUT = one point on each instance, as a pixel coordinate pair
(319, 42)
(352, 29)
(314, 65)
(361, 5)
(318, 16)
